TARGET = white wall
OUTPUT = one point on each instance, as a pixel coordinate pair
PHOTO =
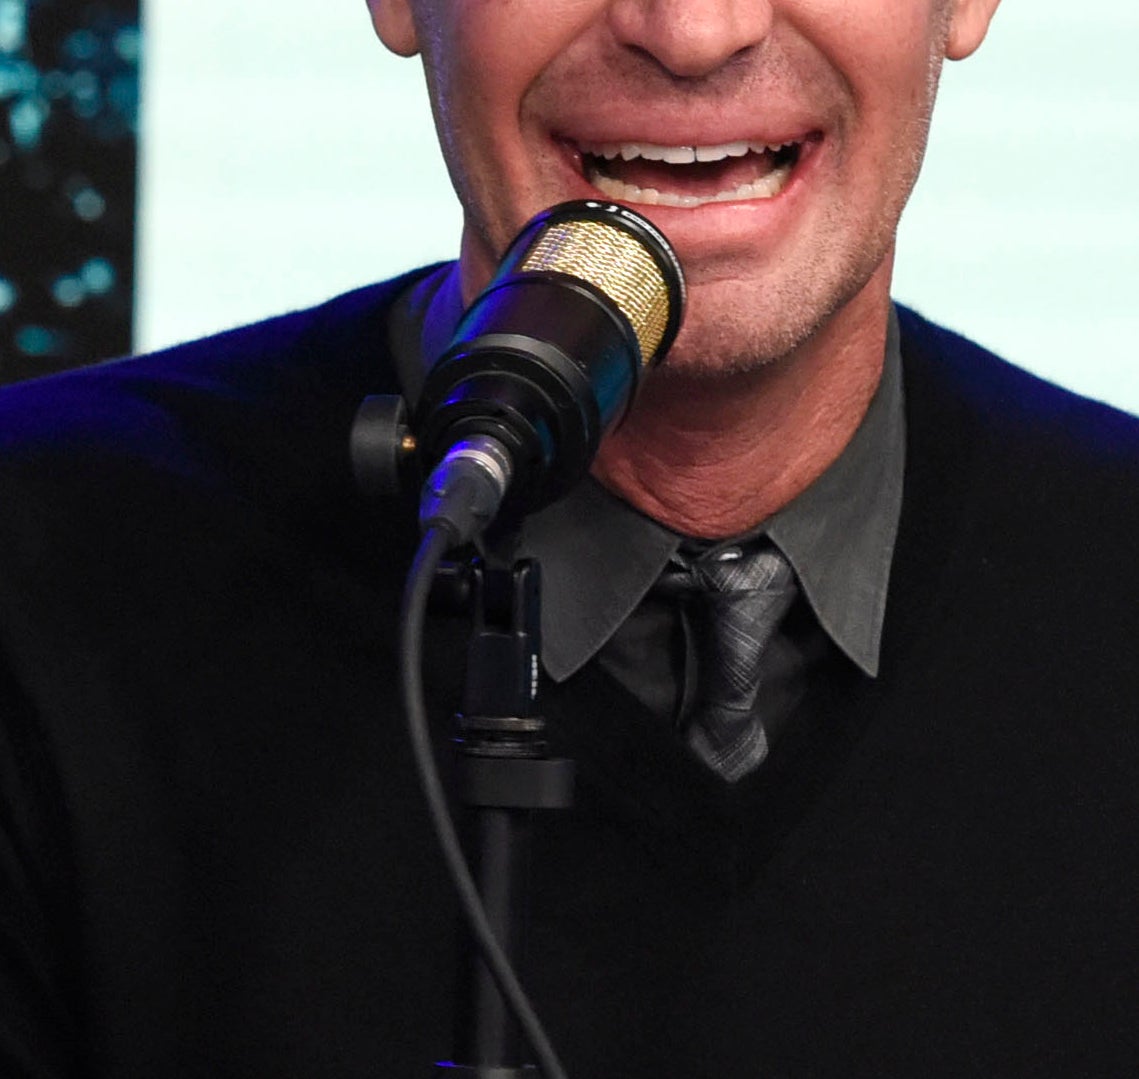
(287, 157)
(1024, 228)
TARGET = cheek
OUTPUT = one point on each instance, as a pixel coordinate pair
(486, 53)
(478, 73)
(885, 51)
(483, 58)
(476, 80)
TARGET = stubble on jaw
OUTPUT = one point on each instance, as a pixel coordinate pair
(737, 335)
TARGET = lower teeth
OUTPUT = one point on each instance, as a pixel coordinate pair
(765, 188)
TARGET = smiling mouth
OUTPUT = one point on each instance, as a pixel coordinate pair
(689, 176)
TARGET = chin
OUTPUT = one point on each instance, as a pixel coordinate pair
(744, 324)
(735, 334)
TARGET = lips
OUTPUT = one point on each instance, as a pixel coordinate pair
(690, 175)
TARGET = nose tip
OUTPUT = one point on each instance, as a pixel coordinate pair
(691, 38)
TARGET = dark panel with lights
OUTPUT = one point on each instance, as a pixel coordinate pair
(68, 125)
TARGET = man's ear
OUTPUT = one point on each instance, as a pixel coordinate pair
(968, 23)
(394, 25)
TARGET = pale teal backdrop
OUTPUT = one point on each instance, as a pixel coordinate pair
(287, 157)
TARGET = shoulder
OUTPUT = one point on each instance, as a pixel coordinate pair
(946, 368)
(280, 365)
(257, 415)
(1022, 435)
(1019, 491)
(225, 450)
(165, 505)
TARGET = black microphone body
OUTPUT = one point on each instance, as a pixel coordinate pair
(545, 362)
(541, 364)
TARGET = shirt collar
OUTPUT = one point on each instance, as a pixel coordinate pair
(600, 556)
(839, 533)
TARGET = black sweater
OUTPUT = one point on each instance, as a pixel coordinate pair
(213, 854)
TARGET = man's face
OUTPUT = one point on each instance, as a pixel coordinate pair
(774, 142)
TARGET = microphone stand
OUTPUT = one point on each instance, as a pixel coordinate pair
(544, 361)
(503, 774)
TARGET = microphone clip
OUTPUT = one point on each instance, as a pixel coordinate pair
(382, 446)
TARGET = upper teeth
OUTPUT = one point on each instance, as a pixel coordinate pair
(677, 155)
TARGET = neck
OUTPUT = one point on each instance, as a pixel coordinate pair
(713, 456)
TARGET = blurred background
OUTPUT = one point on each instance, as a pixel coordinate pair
(231, 161)
(68, 123)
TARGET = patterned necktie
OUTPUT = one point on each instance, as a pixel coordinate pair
(736, 602)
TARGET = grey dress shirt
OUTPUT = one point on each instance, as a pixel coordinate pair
(600, 557)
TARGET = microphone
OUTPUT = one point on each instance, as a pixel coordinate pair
(545, 361)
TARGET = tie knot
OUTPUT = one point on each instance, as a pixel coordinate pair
(727, 572)
(733, 570)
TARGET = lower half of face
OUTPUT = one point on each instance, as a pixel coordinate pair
(779, 178)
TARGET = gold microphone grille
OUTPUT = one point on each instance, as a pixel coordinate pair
(616, 263)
